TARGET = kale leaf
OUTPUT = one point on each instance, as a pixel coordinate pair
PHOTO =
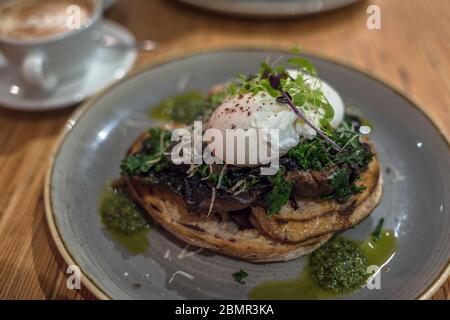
(280, 193)
(151, 155)
(343, 185)
(316, 154)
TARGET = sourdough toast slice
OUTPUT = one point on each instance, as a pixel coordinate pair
(314, 218)
(287, 235)
(216, 232)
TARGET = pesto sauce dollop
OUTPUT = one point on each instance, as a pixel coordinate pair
(339, 266)
(305, 286)
(119, 213)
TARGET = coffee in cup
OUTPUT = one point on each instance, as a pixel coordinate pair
(37, 19)
(48, 42)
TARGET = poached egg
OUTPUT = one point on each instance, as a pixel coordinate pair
(262, 111)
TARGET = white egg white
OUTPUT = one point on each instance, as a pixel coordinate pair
(330, 94)
(261, 111)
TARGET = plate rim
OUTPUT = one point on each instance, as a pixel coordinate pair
(246, 8)
(89, 283)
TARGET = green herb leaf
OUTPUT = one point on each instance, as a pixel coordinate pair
(304, 94)
(280, 193)
(151, 156)
(316, 154)
(295, 50)
(203, 171)
(344, 187)
(268, 88)
(139, 163)
(376, 234)
(239, 276)
(303, 65)
(216, 99)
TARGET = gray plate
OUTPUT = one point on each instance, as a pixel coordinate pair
(269, 8)
(415, 204)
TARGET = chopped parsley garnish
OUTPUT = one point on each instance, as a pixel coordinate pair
(376, 234)
(280, 193)
(239, 276)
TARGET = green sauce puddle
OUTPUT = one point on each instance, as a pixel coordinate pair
(135, 243)
(182, 108)
(379, 252)
(305, 288)
(111, 201)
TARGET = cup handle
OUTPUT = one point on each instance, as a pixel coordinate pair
(34, 73)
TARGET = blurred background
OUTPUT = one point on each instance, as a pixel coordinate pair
(411, 51)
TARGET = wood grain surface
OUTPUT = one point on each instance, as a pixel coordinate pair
(412, 51)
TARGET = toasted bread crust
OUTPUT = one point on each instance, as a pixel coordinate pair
(285, 236)
(214, 233)
(314, 218)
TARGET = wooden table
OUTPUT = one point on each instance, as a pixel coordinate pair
(411, 51)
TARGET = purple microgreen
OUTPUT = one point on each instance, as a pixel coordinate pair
(282, 99)
(309, 123)
(275, 82)
(265, 74)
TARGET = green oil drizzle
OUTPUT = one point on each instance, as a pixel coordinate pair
(136, 243)
(125, 222)
(301, 288)
(305, 288)
(380, 251)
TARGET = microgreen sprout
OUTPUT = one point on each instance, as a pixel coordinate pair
(275, 82)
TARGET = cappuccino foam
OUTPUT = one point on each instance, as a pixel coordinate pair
(35, 19)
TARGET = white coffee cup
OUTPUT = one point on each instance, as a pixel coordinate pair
(39, 64)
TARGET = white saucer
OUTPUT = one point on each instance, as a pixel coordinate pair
(108, 66)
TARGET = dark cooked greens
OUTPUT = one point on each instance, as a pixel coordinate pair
(317, 154)
(343, 185)
(195, 183)
(338, 154)
(277, 197)
(151, 155)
